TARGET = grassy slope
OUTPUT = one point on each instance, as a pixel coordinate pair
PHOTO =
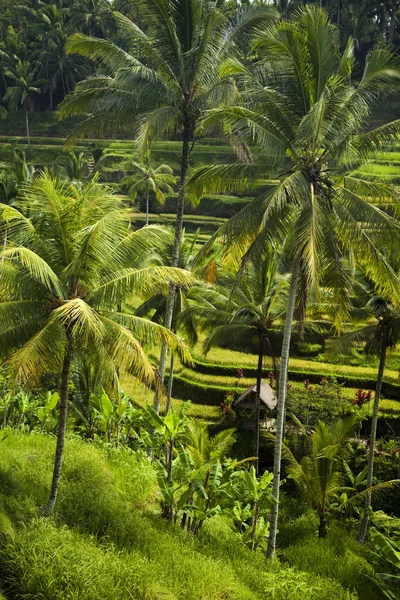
(107, 540)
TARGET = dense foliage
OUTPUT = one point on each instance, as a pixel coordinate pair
(178, 406)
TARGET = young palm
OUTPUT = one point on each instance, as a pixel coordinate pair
(147, 179)
(25, 87)
(184, 44)
(377, 337)
(250, 310)
(65, 269)
(319, 474)
(300, 105)
(73, 167)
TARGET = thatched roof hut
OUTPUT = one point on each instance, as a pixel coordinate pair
(268, 399)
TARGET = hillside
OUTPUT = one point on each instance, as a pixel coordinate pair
(108, 541)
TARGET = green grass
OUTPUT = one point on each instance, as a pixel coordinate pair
(107, 540)
(338, 558)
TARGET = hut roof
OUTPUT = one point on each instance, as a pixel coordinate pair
(267, 396)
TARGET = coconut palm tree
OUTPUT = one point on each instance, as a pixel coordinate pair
(198, 294)
(182, 45)
(250, 309)
(377, 337)
(25, 87)
(69, 265)
(301, 106)
(148, 178)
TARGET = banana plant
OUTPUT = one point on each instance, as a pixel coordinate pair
(386, 586)
(254, 527)
(47, 413)
(22, 404)
(110, 416)
(165, 432)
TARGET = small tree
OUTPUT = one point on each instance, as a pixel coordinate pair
(25, 87)
(149, 179)
(319, 474)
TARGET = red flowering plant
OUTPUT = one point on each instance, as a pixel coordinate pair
(362, 397)
(307, 385)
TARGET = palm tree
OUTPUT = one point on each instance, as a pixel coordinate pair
(319, 474)
(148, 178)
(73, 166)
(24, 88)
(183, 317)
(299, 104)
(377, 337)
(70, 263)
(168, 90)
(93, 17)
(251, 310)
(22, 171)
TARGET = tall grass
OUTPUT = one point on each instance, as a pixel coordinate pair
(108, 541)
(338, 556)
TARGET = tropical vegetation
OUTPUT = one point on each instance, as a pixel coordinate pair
(199, 300)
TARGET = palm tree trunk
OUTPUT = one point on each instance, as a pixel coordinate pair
(4, 243)
(382, 360)
(258, 404)
(170, 383)
(187, 130)
(322, 532)
(62, 426)
(27, 125)
(282, 389)
(147, 205)
(78, 388)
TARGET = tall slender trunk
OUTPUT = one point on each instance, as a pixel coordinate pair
(187, 131)
(27, 125)
(4, 242)
(147, 205)
(78, 387)
(374, 421)
(280, 419)
(391, 27)
(170, 383)
(258, 404)
(300, 310)
(62, 426)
